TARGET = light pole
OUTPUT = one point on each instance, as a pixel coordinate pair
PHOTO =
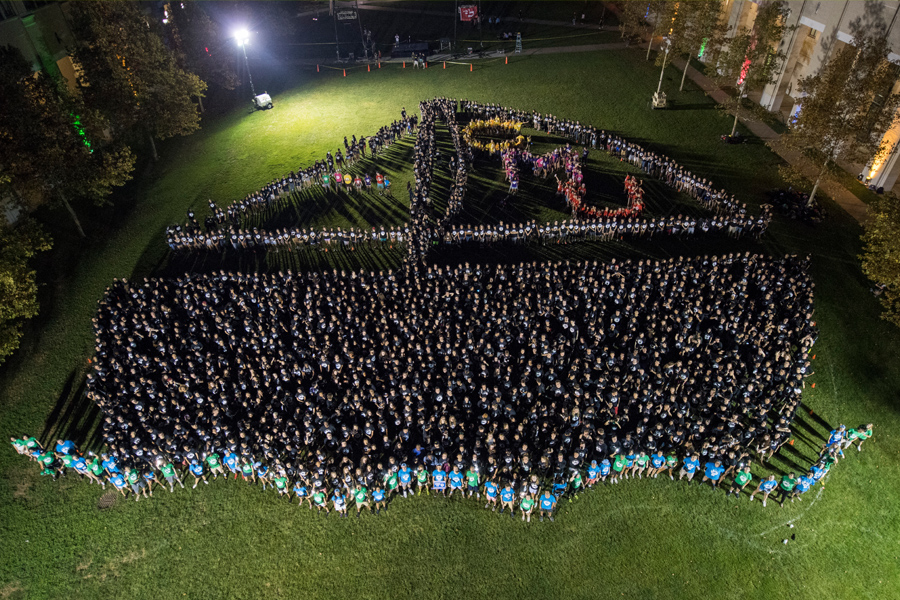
(242, 37)
(659, 98)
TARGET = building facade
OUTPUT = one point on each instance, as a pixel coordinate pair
(819, 29)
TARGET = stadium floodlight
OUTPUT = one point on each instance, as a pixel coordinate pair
(243, 36)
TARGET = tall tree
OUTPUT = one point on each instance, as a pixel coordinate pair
(18, 288)
(702, 32)
(845, 108)
(751, 58)
(639, 18)
(52, 148)
(200, 45)
(129, 75)
(881, 253)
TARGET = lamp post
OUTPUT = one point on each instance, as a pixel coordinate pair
(242, 37)
(659, 97)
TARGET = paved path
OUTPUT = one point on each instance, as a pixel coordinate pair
(846, 199)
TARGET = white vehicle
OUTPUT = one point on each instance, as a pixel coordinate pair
(262, 101)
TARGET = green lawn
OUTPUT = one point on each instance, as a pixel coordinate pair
(644, 539)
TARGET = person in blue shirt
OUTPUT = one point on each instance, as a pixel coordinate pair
(605, 467)
(231, 461)
(439, 481)
(406, 477)
(456, 481)
(380, 499)
(118, 482)
(301, 492)
(657, 464)
(507, 497)
(816, 472)
(766, 486)
(490, 493)
(712, 471)
(340, 502)
(559, 488)
(65, 447)
(262, 474)
(803, 484)
(81, 467)
(689, 468)
(110, 464)
(593, 472)
(546, 503)
(629, 463)
(196, 469)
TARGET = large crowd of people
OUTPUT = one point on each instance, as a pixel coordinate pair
(522, 374)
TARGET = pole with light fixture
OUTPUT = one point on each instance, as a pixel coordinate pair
(243, 36)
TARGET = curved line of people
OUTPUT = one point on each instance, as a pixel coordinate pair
(372, 490)
(329, 173)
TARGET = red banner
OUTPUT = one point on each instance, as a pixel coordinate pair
(468, 13)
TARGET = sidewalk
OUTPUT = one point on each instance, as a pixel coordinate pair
(847, 200)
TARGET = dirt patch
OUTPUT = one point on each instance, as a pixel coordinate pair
(11, 590)
(21, 491)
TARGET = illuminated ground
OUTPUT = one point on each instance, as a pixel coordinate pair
(637, 539)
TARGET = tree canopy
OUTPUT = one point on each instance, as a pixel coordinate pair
(881, 253)
(129, 75)
(750, 59)
(52, 147)
(18, 288)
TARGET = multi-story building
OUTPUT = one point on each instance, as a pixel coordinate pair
(820, 29)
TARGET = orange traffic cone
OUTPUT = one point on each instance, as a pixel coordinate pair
(814, 385)
(379, 65)
(404, 64)
(317, 68)
(369, 68)
(345, 72)
(445, 64)
(470, 67)
(426, 65)
(506, 61)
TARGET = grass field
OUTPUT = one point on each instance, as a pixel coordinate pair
(644, 539)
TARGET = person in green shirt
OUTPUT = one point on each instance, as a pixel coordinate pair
(422, 479)
(618, 465)
(671, 463)
(391, 481)
(741, 479)
(48, 464)
(67, 461)
(134, 479)
(577, 483)
(20, 445)
(171, 474)
(281, 484)
(862, 434)
(214, 462)
(361, 496)
(472, 482)
(786, 488)
(526, 505)
(640, 465)
(320, 500)
(32, 444)
(247, 471)
(95, 471)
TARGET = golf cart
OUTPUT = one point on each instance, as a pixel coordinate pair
(262, 101)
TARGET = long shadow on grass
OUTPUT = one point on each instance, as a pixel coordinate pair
(74, 417)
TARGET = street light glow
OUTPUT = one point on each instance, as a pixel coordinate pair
(242, 36)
